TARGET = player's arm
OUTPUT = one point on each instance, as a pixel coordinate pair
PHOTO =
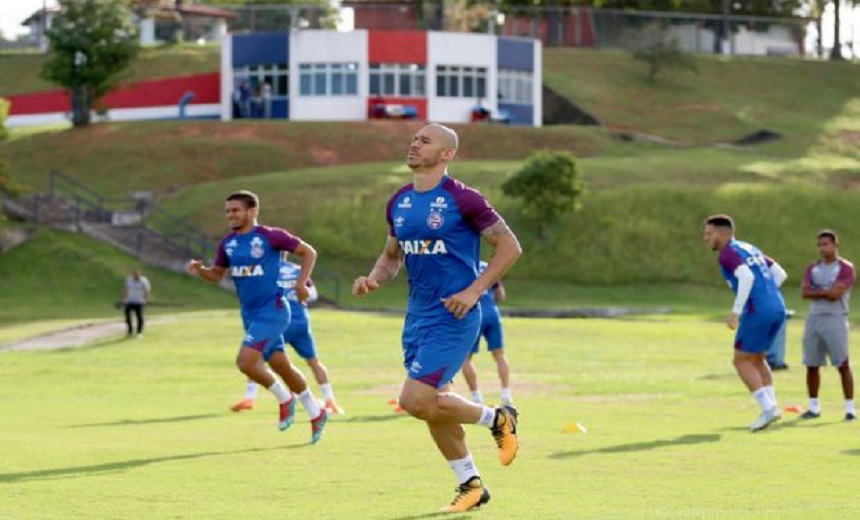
(125, 293)
(308, 256)
(777, 272)
(506, 251)
(844, 282)
(148, 293)
(808, 290)
(210, 274)
(746, 279)
(385, 269)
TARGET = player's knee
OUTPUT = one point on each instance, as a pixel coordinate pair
(844, 367)
(417, 406)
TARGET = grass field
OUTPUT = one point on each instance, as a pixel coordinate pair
(131, 429)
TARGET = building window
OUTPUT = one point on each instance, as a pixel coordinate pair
(328, 79)
(276, 75)
(515, 86)
(457, 81)
(397, 79)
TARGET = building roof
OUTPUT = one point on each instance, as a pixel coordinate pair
(205, 10)
(37, 16)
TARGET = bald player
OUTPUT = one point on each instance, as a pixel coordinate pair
(435, 227)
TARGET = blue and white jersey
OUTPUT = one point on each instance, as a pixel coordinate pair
(254, 261)
(764, 296)
(289, 273)
(439, 232)
(489, 307)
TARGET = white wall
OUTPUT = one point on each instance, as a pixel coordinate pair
(537, 85)
(227, 87)
(471, 50)
(312, 46)
(147, 31)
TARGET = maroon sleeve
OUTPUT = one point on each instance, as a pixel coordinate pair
(390, 205)
(846, 273)
(474, 207)
(280, 239)
(730, 259)
(807, 276)
(221, 258)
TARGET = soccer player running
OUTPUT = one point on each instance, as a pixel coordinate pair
(491, 330)
(757, 314)
(435, 227)
(299, 336)
(827, 284)
(253, 255)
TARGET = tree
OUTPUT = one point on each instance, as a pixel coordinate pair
(659, 52)
(549, 185)
(91, 44)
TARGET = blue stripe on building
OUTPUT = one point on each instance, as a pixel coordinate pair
(261, 49)
(515, 54)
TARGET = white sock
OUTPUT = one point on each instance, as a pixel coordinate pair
(771, 393)
(464, 468)
(477, 397)
(310, 404)
(251, 390)
(814, 406)
(849, 406)
(763, 399)
(328, 392)
(283, 395)
(488, 417)
(506, 395)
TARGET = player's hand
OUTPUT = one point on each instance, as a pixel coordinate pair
(363, 285)
(461, 303)
(732, 321)
(193, 266)
(302, 292)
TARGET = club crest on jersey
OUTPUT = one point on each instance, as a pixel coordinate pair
(439, 203)
(257, 248)
(398, 221)
(405, 203)
(423, 247)
(246, 271)
(435, 219)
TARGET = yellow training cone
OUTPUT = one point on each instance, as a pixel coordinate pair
(575, 427)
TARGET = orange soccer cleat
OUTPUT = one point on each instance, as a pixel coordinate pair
(244, 404)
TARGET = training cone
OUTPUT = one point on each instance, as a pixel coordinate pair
(392, 401)
(575, 427)
(793, 409)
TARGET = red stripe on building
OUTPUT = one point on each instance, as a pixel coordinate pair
(142, 94)
(397, 47)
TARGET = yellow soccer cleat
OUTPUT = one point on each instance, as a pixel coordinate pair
(505, 433)
(244, 404)
(470, 495)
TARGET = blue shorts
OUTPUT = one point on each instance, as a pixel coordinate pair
(491, 330)
(264, 331)
(435, 347)
(299, 336)
(757, 332)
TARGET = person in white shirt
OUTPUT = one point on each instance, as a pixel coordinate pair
(135, 297)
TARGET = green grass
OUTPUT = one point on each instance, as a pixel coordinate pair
(19, 73)
(58, 275)
(726, 100)
(666, 418)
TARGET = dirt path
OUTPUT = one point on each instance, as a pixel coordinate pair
(77, 336)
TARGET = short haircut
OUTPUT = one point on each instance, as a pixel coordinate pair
(250, 199)
(449, 136)
(721, 221)
(829, 233)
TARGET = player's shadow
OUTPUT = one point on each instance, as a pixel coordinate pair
(93, 345)
(791, 423)
(855, 452)
(119, 466)
(684, 440)
(429, 515)
(373, 418)
(137, 422)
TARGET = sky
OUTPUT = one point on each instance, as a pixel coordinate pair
(13, 12)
